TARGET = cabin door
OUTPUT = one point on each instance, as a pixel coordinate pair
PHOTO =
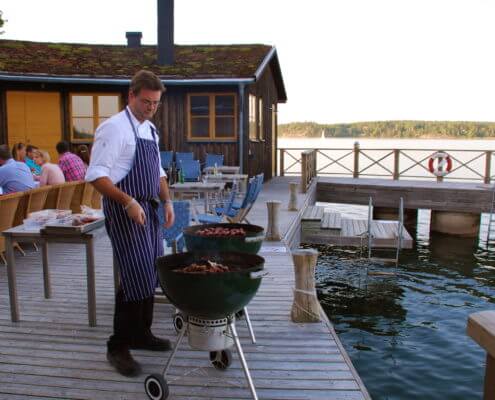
(34, 118)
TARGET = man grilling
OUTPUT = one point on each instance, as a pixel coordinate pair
(125, 169)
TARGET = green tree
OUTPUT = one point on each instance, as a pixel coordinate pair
(2, 21)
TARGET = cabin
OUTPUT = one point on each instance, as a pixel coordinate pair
(219, 98)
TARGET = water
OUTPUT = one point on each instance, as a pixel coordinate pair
(405, 334)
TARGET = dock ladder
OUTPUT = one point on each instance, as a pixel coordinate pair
(400, 233)
(491, 221)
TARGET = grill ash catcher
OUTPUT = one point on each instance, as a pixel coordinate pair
(207, 305)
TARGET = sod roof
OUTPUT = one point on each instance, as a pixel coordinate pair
(89, 60)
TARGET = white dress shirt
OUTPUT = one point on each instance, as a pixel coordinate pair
(112, 154)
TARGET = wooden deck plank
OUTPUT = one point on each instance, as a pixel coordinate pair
(52, 353)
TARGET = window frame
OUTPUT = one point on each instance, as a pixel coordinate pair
(96, 116)
(253, 117)
(260, 121)
(212, 137)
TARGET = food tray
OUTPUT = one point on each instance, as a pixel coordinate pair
(73, 230)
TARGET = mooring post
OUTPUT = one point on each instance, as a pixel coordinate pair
(305, 307)
(293, 196)
(481, 328)
(272, 231)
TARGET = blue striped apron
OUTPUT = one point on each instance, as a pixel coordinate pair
(136, 247)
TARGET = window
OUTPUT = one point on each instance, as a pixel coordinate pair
(90, 110)
(253, 135)
(212, 116)
(261, 134)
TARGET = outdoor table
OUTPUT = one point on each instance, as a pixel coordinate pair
(242, 178)
(224, 169)
(20, 233)
(197, 187)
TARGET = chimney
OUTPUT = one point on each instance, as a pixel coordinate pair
(165, 32)
(133, 39)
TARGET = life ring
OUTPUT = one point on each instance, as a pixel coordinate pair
(443, 165)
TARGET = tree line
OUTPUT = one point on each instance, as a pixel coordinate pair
(391, 129)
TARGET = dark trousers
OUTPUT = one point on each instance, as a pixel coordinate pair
(131, 322)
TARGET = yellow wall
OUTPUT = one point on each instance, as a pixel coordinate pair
(34, 118)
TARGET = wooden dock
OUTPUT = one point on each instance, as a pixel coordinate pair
(441, 196)
(321, 225)
(52, 353)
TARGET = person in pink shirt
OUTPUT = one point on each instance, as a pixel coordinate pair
(70, 164)
(51, 174)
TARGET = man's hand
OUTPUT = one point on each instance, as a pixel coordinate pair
(136, 212)
(168, 208)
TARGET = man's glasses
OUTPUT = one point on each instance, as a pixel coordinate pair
(150, 103)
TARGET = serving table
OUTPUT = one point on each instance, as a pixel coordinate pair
(43, 237)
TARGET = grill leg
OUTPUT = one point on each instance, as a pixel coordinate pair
(250, 327)
(243, 360)
(179, 339)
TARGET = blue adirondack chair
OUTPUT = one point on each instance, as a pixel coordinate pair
(179, 157)
(190, 170)
(212, 159)
(173, 235)
(166, 158)
(240, 214)
(217, 218)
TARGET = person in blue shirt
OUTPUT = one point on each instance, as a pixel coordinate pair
(15, 176)
(35, 168)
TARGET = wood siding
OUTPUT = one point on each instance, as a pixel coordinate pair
(171, 121)
(259, 156)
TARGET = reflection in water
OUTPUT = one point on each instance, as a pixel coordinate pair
(405, 333)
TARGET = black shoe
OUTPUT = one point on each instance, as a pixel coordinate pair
(123, 362)
(151, 342)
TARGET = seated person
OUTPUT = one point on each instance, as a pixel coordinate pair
(28, 159)
(15, 176)
(70, 164)
(19, 151)
(51, 174)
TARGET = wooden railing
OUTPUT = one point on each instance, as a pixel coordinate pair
(468, 165)
(308, 169)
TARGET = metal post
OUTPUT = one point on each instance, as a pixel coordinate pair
(249, 325)
(355, 174)
(488, 166)
(243, 360)
(176, 347)
(396, 164)
(281, 162)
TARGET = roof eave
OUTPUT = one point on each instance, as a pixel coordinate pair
(271, 59)
(119, 81)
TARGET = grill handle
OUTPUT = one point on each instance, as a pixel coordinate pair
(252, 239)
(258, 274)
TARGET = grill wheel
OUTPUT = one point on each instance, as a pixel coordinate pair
(221, 359)
(156, 387)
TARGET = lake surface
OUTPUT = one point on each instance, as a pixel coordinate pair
(406, 334)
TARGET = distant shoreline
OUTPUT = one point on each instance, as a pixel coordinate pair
(389, 138)
(390, 130)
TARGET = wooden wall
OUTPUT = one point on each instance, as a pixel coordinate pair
(259, 154)
(171, 121)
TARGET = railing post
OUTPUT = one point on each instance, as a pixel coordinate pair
(282, 162)
(488, 166)
(304, 171)
(355, 173)
(396, 164)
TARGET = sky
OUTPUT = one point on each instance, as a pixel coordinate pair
(341, 60)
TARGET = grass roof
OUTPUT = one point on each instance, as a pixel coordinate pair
(89, 60)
